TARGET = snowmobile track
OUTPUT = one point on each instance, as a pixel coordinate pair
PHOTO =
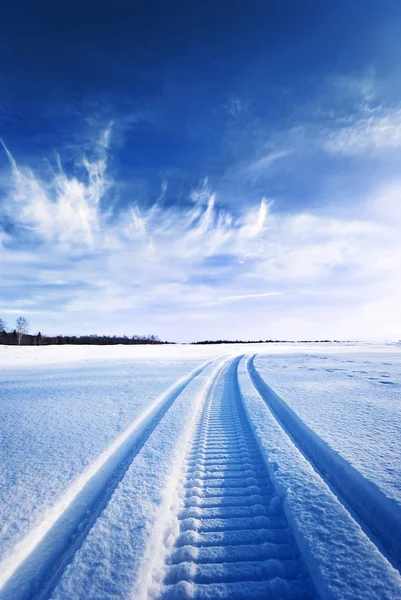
(234, 540)
(33, 572)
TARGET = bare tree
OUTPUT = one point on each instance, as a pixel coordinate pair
(22, 327)
(3, 325)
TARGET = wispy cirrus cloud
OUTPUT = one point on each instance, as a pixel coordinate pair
(378, 131)
(257, 272)
(64, 210)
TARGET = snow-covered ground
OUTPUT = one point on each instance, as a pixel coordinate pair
(237, 471)
(352, 401)
(56, 421)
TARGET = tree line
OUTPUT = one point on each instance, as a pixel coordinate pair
(206, 342)
(20, 336)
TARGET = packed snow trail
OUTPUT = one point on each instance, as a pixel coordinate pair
(234, 540)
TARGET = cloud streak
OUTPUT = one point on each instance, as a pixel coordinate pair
(379, 131)
(195, 271)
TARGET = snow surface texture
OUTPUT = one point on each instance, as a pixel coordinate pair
(343, 562)
(103, 450)
(350, 425)
(56, 421)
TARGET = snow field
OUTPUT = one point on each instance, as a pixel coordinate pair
(56, 420)
(379, 514)
(342, 560)
(183, 473)
(349, 424)
(351, 401)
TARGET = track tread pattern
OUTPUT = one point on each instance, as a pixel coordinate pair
(234, 540)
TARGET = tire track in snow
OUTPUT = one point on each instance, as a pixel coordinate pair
(34, 567)
(377, 514)
(234, 540)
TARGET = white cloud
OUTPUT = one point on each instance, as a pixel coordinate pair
(229, 299)
(264, 163)
(198, 271)
(379, 130)
(66, 210)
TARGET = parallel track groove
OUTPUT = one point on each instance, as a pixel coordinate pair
(234, 540)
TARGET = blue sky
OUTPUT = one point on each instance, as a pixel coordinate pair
(202, 169)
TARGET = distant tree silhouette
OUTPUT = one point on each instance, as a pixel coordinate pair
(22, 328)
(21, 337)
(3, 334)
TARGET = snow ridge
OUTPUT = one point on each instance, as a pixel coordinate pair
(164, 529)
(233, 538)
(38, 561)
(342, 561)
(380, 515)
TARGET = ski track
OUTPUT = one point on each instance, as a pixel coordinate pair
(378, 515)
(35, 566)
(233, 539)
